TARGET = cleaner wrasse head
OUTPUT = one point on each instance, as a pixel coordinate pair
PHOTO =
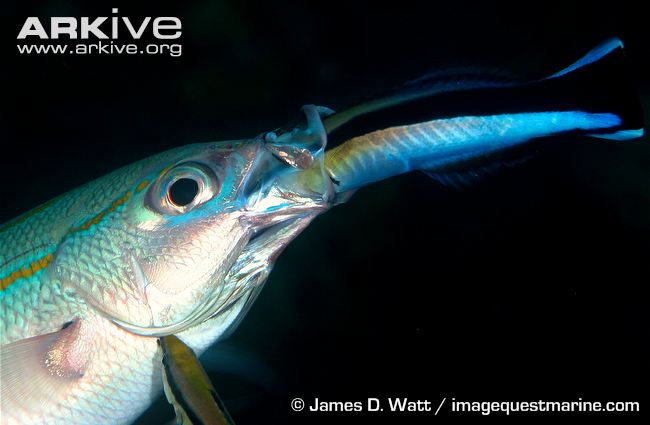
(194, 229)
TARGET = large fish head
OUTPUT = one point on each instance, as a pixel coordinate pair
(197, 228)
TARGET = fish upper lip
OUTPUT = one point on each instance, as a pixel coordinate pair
(258, 232)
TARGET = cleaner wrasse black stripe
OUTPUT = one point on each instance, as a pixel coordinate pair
(188, 387)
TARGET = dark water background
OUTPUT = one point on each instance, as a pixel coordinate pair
(530, 285)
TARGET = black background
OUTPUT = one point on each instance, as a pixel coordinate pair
(530, 285)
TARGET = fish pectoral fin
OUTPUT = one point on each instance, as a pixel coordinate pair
(35, 369)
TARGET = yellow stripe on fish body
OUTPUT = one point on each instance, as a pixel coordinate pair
(100, 216)
(26, 271)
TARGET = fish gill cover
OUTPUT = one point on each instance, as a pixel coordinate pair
(526, 284)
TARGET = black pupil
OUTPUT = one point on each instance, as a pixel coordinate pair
(183, 191)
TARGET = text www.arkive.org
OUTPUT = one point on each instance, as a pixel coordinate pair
(100, 48)
(35, 36)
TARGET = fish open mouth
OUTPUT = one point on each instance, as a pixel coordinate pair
(246, 276)
(254, 264)
(285, 188)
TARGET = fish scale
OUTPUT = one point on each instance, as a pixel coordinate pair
(92, 279)
(119, 381)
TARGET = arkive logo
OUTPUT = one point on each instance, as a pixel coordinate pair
(114, 28)
(164, 28)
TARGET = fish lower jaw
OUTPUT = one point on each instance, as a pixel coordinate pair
(200, 314)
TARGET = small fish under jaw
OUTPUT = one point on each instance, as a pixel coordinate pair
(188, 387)
(181, 243)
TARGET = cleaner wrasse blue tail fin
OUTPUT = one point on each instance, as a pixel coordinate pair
(446, 128)
(602, 77)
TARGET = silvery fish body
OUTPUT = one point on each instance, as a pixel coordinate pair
(104, 254)
(181, 243)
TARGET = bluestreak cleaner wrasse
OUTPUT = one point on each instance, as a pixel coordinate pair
(181, 243)
(188, 387)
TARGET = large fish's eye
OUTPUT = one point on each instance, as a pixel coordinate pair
(182, 192)
(184, 187)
